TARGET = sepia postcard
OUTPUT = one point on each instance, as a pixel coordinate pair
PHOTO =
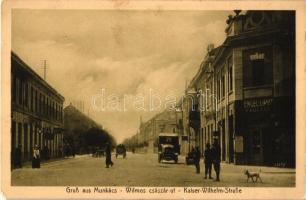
(125, 99)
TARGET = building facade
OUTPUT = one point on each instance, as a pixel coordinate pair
(164, 122)
(36, 111)
(245, 90)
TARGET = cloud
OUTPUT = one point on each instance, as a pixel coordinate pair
(125, 52)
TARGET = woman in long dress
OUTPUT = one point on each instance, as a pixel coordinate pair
(36, 157)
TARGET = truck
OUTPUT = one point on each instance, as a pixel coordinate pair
(168, 147)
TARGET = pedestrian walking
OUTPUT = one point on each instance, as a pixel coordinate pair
(108, 159)
(208, 159)
(36, 157)
(197, 157)
(216, 155)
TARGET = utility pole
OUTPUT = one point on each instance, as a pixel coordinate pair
(45, 69)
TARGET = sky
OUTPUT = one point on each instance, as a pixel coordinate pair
(117, 61)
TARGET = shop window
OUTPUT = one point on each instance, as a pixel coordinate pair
(256, 142)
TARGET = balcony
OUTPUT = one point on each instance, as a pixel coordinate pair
(194, 118)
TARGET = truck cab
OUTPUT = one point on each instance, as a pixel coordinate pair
(168, 147)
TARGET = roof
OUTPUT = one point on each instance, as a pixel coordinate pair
(201, 69)
(214, 51)
(35, 75)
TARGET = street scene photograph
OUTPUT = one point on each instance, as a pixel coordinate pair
(153, 98)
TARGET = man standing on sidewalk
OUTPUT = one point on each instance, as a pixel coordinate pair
(197, 156)
(208, 161)
(216, 155)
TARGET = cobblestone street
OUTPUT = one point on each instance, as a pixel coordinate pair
(142, 170)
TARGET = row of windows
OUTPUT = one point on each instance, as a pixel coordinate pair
(221, 79)
(34, 101)
(220, 87)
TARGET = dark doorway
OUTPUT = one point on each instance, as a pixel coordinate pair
(19, 134)
(254, 146)
(223, 147)
(31, 139)
(231, 138)
(13, 139)
(271, 151)
(25, 141)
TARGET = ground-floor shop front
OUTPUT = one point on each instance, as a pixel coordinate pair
(264, 132)
(258, 131)
(28, 132)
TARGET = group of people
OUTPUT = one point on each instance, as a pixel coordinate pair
(212, 157)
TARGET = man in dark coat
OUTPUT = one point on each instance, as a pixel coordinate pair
(108, 152)
(197, 156)
(208, 159)
(216, 155)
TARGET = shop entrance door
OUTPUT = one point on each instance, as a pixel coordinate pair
(256, 146)
(231, 139)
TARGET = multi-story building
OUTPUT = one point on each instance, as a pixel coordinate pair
(200, 113)
(36, 111)
(164, 122)
(249, 84)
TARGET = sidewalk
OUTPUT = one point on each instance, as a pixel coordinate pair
(232, 168)
(262, 169)
(28, 164)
